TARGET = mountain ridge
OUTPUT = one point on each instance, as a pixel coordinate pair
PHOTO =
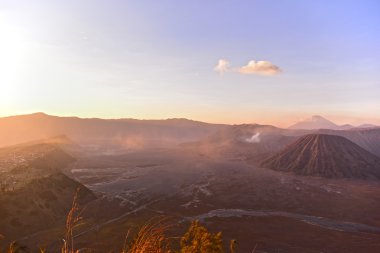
(128, 133)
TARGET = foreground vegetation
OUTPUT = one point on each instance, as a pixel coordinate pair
(151, 238)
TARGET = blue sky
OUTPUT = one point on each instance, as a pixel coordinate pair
(156, 59)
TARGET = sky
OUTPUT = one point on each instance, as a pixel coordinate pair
(264, 61)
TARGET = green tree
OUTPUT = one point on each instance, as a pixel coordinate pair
(198, 240)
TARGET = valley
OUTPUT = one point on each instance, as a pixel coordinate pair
(222, 179)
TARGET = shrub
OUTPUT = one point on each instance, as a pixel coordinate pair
(198, 240)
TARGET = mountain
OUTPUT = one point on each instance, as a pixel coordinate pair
(318, 122)
(327, 156)
(40, 158)
(367, 138)
(246, 141)
(39, 204)
(60, 141)
(95, 133)
(254, 141)
(34, 193)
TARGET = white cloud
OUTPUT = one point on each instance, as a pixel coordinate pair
(252, 67)
(222, 67)
(260, 67)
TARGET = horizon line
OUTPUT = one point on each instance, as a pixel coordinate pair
(174, 118)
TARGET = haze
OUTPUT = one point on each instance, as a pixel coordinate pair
(190, 126)
(272, 62)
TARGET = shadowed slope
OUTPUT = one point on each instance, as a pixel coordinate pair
(369, 139)
(326, 155)
(34, 193)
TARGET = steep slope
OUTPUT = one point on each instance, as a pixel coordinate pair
(22, 163)
(34, 193)
(38, 204)
(318, 122)
(326, 155)
(369, 139)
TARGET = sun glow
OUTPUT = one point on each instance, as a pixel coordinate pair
(13, 50)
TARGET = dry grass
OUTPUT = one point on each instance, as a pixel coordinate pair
(150, 238)
(14, 247)
(73, 220)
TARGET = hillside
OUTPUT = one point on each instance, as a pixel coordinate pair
(23, 163)
(326, 155)
(35, 194)
(369, 139)
(38, 204)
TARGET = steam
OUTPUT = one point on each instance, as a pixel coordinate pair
(253, 139)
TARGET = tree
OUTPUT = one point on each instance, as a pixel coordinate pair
(198, 240)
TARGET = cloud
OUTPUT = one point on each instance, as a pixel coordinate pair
(253, 67)
(259, 67)
(222, 67)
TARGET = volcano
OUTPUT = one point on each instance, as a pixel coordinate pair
(327, 156)
(318, 122)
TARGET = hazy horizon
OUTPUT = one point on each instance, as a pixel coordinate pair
(306, 119)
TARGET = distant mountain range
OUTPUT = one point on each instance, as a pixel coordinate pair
(319, 122)
(326, 155)
(115, 136)
(129, 133)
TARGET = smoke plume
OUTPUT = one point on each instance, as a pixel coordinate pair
(254, 138)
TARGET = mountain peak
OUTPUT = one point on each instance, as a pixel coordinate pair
(39, 114)
(325, 155)
(318, 122)
(318, 118)
(315, 122)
